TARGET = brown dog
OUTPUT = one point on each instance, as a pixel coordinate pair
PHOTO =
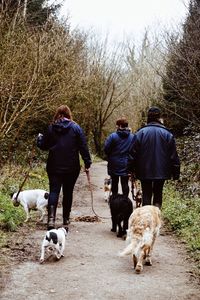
(144, 226)
(136, 190)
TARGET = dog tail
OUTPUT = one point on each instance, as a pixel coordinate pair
(126, 251)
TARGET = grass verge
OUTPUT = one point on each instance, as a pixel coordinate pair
(182, 216)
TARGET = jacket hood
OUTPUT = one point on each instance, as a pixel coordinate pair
(62, 125)
(123, 133)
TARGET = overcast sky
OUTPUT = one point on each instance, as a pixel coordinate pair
(124, 18)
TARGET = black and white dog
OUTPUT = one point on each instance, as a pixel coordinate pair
(121, 208)
(32, 199)
(54, 240)
(107, 188)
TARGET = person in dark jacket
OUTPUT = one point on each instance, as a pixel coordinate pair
(64, 139)
(154, 158)
(116, 149)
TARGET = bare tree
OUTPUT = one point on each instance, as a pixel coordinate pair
(39, 71)
(144, 69)
(104, 91)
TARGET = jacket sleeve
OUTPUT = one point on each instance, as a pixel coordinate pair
(83, 147)
(45, 141)
(175, 162)
(108, 145)
(132, 155)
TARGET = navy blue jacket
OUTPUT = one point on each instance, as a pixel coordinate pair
(153, 153)
(116, 148)
(65, 140)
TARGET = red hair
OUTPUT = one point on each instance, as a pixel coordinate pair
(122, 122)
(62, 112)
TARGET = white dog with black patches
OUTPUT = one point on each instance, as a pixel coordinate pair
(54, 240)
(107, 188)
(32, 199)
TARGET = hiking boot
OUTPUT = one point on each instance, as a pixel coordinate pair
(51, 217)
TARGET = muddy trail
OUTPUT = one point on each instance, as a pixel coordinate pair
(91, 268)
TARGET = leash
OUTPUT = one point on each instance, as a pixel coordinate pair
(92, 198)
(26, 174)
(133, 184)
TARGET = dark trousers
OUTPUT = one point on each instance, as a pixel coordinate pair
(152, 189)
(124, 184)
(67, 182)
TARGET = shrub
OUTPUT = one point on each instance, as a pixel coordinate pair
(182, 214)
(10, 217)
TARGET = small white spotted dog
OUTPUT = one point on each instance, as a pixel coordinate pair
(138, 198)
(54, 242)
(136, 191)
(32, 199)
(107, 189)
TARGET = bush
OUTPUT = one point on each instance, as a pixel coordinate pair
(10, 217)
(182, 214)
(11, 179)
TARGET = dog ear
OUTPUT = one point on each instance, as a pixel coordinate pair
(46, 195)
(11, 195)
(66, 230)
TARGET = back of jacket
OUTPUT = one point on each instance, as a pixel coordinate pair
(116, 148)
(154, 153)
(65, 140)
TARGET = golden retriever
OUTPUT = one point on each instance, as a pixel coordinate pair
(143, 228)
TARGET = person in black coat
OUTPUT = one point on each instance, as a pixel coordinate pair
(64, 139)
(153, 158)
(116, 149)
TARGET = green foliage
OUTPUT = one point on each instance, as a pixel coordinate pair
(10, 216)
(38, 12)
(13, 176)
(188, 149)
(35, 12)
(182, 214)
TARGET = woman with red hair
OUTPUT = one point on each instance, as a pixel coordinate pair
(65, 140)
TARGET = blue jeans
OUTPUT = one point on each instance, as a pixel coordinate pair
(67, 182)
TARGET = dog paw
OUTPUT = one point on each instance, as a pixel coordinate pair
(120, 234)
(148, 262)
(58, 256)
(124, 237)
(41, 260)
(138, 269)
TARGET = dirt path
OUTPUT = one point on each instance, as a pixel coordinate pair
(91, 268)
